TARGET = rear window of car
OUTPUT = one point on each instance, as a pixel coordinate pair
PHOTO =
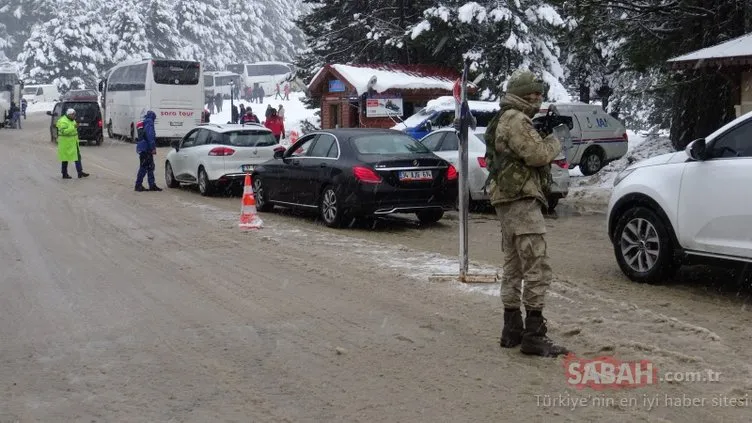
(388, 144)
(248, 138)
(84, 110)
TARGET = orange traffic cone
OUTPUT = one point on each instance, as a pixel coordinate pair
(249, 219)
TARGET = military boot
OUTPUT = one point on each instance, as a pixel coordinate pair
(511, 334)
(535, 341)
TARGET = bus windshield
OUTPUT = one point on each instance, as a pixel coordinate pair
(176, 72)
(8, 79)
(208, 81)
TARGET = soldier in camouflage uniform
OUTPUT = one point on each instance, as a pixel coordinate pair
(517, 192)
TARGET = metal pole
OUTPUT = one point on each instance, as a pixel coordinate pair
(463, 192)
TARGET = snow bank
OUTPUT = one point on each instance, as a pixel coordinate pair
(596, 189)
(295, 112)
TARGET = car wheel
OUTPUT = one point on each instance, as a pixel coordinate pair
(552, 202)
(205, 186)
(169, 177)
(109, 131)
(330, 209)
(260, 196)
(643, 246)
(430, 216)
(591, 162)
(99, 140)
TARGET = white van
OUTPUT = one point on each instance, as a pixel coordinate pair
(597, 137)
(41, 93)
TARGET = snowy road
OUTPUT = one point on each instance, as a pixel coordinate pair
(123, 306)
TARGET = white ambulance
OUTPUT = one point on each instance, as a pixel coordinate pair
(597, 137)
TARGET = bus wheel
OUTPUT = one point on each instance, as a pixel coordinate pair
(133, 134)
(109, 130)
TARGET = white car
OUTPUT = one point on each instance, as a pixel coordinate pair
(445, 144)
(213, 155)
(685, 206)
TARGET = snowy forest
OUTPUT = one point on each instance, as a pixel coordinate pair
(611, 51)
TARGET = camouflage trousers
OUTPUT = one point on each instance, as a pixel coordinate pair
(523, 240)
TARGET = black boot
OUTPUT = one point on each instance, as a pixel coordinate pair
(66, 176)
(511, 334)
(155, 188)
(83, 175)
(139, 188)
(535, 341)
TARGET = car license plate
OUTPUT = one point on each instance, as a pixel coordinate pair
(416, 175)
(83, 124)
(247, 168)
(176, 123)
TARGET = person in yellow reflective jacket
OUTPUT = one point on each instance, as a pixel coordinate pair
(67, 144)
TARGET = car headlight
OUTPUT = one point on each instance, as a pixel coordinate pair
(623, 174)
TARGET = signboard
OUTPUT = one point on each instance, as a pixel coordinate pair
(384, 107)
(336, 86)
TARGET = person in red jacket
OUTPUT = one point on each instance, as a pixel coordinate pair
(276, 124)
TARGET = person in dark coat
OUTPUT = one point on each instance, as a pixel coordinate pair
(261, 94)
(269, 111)
(242, 110)
(234, 114)
(146, 149)
(218, 100)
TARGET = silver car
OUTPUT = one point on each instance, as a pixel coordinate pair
(213, 155)
(445, 144)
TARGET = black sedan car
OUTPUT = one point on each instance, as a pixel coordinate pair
(346, 173)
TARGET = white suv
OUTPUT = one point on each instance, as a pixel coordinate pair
(213, 155)
(678, 207)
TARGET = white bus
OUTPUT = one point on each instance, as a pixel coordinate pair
(219, 82)
(10, 89)
(173, 89)
(264, 74)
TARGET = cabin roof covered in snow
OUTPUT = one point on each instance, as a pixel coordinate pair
(732, 52)
(405, 77)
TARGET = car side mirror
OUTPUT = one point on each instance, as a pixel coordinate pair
(278, 154)
(429, 126)
(49, 113)
(697, 150)
(175, 144)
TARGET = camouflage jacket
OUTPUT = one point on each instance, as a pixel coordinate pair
(526, 158)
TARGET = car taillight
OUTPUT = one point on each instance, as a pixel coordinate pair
(221, 151)
(367, 175)
(451, 173)
(562, 163)
(482, 162)
(99, 123)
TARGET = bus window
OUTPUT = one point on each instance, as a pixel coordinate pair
(177, 72)
(208, 81)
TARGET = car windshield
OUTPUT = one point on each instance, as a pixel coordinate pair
(418, 118)
(30, 90)
(249, 138)
(84, 111)
(388, 144)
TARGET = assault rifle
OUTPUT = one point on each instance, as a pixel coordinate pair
(545, 124)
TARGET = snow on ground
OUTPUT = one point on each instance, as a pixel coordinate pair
(596, 189)
(295, 112)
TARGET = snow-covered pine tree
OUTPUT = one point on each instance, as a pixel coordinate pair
(126, 31)
(281, 36)
(161, 28)
(209, 31)
(498, 37)
(67, 50)
(357, 31)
